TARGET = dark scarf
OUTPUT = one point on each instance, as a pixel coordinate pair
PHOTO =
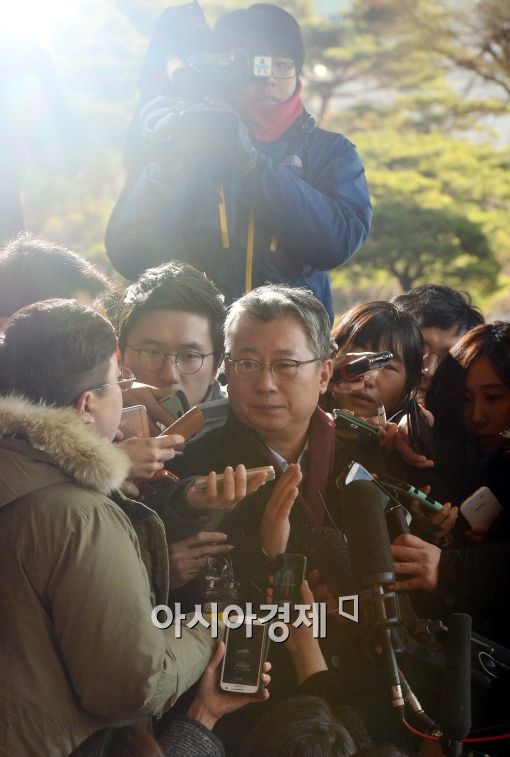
(267, 122)
(320, 462)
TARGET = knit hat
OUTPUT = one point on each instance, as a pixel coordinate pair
(261, 29)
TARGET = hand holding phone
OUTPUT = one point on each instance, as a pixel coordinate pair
(357, 429)
(235, 486)
(421, 436)
(245, 655)
(481, 508)
(408, 493)
(201, 482)
(134, 421)
(290, 574)
(211, 702)
(149, 455)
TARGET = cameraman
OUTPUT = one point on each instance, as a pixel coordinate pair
(237, 179)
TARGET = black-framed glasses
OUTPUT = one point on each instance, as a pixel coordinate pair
(125, 380)
(286, 369)
(283, 69)
(186, 361)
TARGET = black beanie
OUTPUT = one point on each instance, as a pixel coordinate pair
(262, 28)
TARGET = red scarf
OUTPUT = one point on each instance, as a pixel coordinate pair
(268, 121)
(320, 466)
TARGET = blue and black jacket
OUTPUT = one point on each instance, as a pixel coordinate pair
(302, 211)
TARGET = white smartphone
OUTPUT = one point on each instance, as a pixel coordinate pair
(201, 481)
(244, 658)
(134, 422)
(481, 508)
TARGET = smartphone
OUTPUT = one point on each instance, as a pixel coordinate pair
(398, 521)
(409, 492)
(481, 508)
(244, 658)
(356, 472)
(134, 422)
(353, 369)
(350, 427)
(290, 574)
(175, 403)
(214, 412)
(201, 481)
(187, 425)
(421, 436)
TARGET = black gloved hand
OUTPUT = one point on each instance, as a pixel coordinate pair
(212, 127)
(207, 127)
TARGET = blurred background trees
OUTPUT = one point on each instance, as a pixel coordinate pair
(422, 87)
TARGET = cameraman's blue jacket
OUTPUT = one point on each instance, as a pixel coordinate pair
(303, 210)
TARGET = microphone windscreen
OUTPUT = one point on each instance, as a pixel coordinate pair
(328, 551)
(362, 511)
(455, 717)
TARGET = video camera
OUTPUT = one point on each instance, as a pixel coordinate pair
(184, 83)
(183, 50)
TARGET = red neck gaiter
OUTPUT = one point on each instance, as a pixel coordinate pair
(268, 121)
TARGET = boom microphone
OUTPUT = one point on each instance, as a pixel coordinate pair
(364, 522)
(455, 717)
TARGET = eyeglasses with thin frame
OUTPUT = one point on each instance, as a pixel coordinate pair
(187, 362)
(125, 380)
(283, 69)
(284, 369)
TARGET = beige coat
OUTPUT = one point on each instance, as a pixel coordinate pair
(78, 649)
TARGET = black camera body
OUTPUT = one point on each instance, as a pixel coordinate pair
(185, 66)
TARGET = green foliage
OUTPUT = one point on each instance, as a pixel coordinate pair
(397, 79)
(416, 244)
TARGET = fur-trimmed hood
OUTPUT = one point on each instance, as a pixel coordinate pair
(69, 445)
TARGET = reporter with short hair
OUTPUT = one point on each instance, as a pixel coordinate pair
(81, 565)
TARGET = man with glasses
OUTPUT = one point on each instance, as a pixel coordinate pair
(238, 180)
(278, 363)
(171, 334)
(82, 566)
(171, 337)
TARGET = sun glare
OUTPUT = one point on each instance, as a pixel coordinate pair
(33, 19)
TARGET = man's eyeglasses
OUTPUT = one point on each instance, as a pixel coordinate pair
(186, 362)
(283, 69)
(125, 380)
(284, 369)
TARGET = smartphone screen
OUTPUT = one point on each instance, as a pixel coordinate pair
(176, 403)
(356, 472)
(134, 422)
(288, 578)
(244, 657)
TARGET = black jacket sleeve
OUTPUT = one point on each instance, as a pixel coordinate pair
(474, 580)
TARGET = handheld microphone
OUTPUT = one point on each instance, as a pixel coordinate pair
(455, 717)
(364, 523)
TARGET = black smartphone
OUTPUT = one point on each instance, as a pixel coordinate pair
(290, 574)
(421, 436)
(245, 654)
(353, 369)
